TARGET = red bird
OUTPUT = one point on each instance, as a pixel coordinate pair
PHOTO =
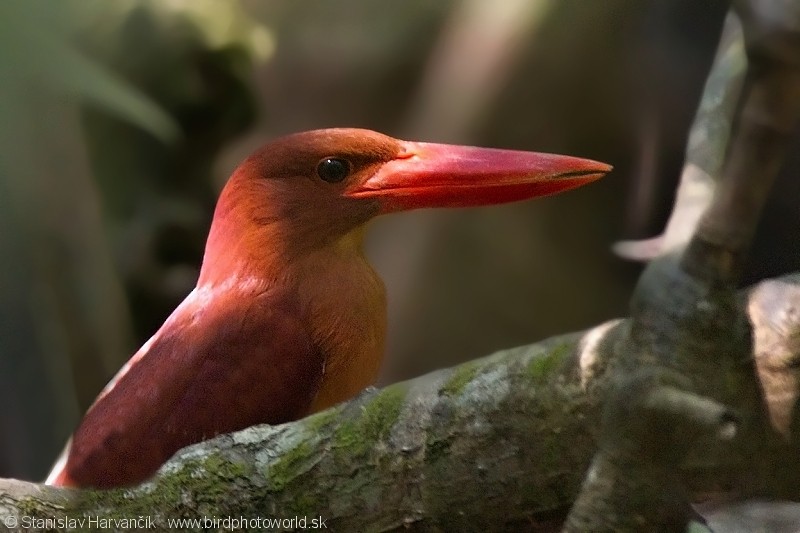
(288, 317)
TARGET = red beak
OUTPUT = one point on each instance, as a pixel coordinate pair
(442, 175)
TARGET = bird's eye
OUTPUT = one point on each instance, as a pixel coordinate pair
(333, 170)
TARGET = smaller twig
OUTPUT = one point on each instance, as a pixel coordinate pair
(705, 152)
(766, 118)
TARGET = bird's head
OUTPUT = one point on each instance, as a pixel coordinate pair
(311, 189)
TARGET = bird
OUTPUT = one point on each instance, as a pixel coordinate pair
(288, 317)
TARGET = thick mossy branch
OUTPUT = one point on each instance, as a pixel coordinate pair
(507, 431)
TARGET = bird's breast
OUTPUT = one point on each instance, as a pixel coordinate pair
(347, 311)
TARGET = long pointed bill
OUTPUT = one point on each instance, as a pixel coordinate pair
(442, 175)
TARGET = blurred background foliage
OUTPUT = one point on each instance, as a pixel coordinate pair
(120, 121)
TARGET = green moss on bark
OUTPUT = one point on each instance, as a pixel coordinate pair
(357, 437)
(542, 365)
(290, 465)
(460, 378)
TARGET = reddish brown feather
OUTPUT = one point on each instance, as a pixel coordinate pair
(211, 370)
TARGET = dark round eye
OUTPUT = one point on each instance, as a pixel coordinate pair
(333, 170)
